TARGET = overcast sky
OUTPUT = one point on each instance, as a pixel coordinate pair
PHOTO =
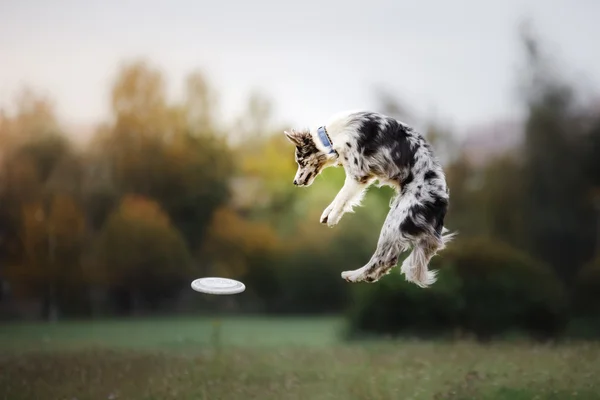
(455, 58)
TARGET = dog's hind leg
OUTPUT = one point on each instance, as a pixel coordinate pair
(381, 263)
(389, 247)
(415, 267)
(409, 223)
(424, 223)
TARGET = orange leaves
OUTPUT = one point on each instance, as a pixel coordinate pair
(66, 221)
(50, 238)
(34, 116)
(138, 99)
(138, 209)
(139, 241)
(232, 241)
(273, 161)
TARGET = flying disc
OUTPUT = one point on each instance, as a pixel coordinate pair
(218, 286)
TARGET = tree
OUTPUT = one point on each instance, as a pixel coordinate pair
(200, 104)
(43, 225)
(167, 152)
(466, 213)
(141, 255)
(593, 172)
(50, 241)
(254, 123)
(139, 102)
(232, 242)
(558, 229)
(502, 200)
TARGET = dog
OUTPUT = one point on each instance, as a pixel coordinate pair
(371, 147)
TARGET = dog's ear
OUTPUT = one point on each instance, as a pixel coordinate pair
(294, 137)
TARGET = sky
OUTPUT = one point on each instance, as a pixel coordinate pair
(452, 60)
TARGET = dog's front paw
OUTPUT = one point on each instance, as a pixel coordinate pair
(325, 215)
(334, 217)
(331, 216)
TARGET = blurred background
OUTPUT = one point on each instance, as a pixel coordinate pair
(141, 147)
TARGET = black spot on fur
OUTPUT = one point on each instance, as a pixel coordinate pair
(356, 161)
(432, 213)
(377, 132)
(407, 156)
(409, 226)
(436, 212)
(429, 175)
(370, 137)
(349, 145)
(408, 180)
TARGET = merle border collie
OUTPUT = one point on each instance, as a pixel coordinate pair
(374, 147)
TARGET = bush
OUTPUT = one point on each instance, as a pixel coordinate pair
(394, 307)
(306, 280)
(504, 289)
(310, 284)
(586, 301)
(484, 288)
(586, 294)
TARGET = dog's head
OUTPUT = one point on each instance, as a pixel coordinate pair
(309, 158)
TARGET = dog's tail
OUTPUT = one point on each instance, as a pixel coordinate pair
(447, 236)
(415, 265)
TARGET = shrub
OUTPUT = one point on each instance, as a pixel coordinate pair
(505, 289)
(305, 280)
(484, 288)
(393, 306)
(586, 301)
(586, 294)
(311, 284)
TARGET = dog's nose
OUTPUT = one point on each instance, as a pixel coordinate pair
(295, 182)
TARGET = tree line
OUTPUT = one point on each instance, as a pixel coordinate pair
(165, 192)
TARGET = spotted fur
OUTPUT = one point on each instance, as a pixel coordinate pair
(374, 147)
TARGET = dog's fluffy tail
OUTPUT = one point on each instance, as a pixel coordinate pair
(415, 265)
(447, 236)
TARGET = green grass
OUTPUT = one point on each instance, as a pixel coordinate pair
(271, 359)
(172, 333)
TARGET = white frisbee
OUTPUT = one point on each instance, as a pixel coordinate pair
(218, 286)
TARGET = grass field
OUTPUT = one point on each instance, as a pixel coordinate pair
(172, 333)
(268, 359)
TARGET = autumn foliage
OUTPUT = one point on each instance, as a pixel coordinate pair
(166, 191)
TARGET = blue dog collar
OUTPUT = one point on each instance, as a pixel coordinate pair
(325, 140)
